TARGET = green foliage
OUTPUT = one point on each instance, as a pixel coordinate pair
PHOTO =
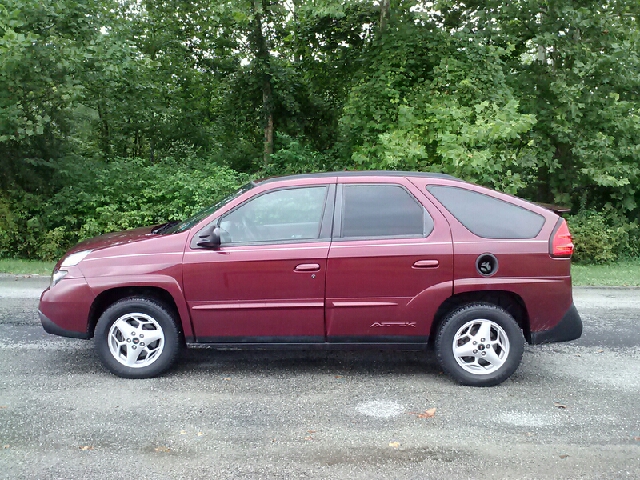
(480, 143)
(603, 237)
(8, 228)
(576, 67)
(292, 157)
(446, 107)
(42, 51)
(538, 99)
(119, 195)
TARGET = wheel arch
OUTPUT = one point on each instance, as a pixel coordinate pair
(509, 301)
(108, 297)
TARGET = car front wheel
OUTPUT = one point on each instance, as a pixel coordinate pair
(479, 345)
(137, 338)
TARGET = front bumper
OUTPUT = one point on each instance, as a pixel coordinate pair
(54, 329)
(64, 308)
(569, 328)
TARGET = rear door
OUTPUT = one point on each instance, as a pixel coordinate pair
(390, 263)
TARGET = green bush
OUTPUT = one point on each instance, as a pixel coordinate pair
(8, 227)
(293, 157)
(20, 226)
(603, 237)
(116, 195)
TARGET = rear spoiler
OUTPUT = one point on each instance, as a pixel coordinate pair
(554, 208)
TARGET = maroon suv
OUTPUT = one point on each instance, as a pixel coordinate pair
(331, 260)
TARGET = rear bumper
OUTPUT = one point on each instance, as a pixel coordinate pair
(54, 329)
(569, 328)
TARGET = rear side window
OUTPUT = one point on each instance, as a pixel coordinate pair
(486, 216)
(382, 211)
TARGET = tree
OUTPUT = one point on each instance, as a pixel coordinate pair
(577, 69)
(43, 47)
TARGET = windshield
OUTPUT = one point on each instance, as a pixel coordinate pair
(205, 212)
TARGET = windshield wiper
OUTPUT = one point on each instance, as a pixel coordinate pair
(164, 227)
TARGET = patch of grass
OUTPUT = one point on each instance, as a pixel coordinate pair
(616, 274)
(25, 267)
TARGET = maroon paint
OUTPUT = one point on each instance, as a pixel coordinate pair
(136, 258)
(524, 266)
(255, 291)
(374, 287)
(68, 305)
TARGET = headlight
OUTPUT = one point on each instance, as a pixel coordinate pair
(57, 276)
(71, 261)
(75, 258)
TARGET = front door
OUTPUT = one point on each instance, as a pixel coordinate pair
(267, 281)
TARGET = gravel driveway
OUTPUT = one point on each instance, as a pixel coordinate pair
(570, 411)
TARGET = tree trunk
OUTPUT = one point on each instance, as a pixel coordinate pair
(104, 130)
(263, 58)
(542, 55)
(384, 14)
(267, 102)
(297, 56)
(136, 144)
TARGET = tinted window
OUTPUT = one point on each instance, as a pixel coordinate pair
(281, 215)
(486, 216)
(382, 210)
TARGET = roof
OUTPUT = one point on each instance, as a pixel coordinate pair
(360, 173)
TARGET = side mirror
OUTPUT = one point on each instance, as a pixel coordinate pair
(210, 239)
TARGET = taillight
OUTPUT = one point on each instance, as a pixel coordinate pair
(561, 244)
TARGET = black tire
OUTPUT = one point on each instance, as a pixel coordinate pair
(146, 316)
(474, 370)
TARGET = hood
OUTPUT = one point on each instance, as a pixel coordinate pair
(111, 240)
(114, 239)
(132, 252)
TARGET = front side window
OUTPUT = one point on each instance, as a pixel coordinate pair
(279, 216)
(382, 211)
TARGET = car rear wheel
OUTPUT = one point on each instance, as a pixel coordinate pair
(137, 338)
(479, 345)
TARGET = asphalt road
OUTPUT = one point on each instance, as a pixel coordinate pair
(570, 411)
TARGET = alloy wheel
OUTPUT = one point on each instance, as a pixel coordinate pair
(136, 340)
(480, 346)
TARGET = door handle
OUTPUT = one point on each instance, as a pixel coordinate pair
(307, 267)
(426, 264)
